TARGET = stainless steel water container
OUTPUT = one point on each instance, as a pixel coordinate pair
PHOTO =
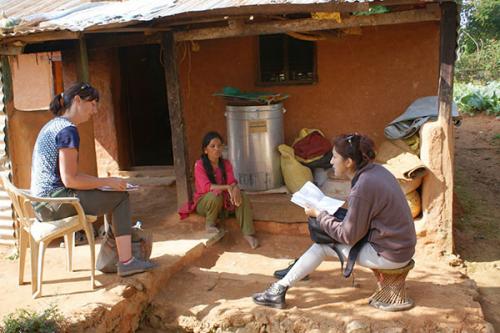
(254, 134)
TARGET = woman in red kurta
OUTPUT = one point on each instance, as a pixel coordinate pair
(217, 192)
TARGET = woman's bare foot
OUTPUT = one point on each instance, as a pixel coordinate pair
(252, 241)
(212, 229)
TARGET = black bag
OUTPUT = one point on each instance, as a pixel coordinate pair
(317, 234)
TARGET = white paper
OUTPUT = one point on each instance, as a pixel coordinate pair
(130, 187)
(311, 196)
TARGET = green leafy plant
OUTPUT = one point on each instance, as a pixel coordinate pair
(14, 255)
(472, 98)
(26, 321)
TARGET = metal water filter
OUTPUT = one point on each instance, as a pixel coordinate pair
(254, 134)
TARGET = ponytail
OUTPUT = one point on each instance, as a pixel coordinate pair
(57, 105)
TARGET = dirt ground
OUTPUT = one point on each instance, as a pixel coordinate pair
(214, 294)
(477, 213)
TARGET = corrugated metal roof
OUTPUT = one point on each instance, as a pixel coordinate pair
(23, 8)
(79, 15)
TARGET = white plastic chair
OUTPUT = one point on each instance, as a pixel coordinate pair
(39, 234)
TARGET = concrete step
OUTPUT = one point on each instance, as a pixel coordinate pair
(276, 207)
(158, 181)
(150, 171)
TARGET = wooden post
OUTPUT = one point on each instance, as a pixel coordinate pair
(448, 44)
(87, 128)
(82, 61)
(181, 160)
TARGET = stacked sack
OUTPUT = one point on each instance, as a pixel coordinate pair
(309, 151)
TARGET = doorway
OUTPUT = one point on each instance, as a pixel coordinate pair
(145, 103)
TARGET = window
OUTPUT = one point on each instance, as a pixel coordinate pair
(286, 60)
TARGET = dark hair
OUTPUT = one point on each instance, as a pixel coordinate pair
(61, 102)
(206, 162)
(355, 146)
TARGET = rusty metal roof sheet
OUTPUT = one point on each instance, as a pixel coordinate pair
(28, 16)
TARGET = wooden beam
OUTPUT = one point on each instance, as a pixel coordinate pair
(42, 37)
(448, 45)
(120, 40)
(82, 61)
(12, 49)
(145, 30)
(179, 143)
(268, 9)
(418, 15)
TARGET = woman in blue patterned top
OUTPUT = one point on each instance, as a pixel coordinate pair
(55, 173)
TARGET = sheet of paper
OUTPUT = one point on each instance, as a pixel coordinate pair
(330, 205)
(311, 196)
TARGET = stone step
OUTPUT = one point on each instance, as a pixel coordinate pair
(152, 171)
(276, 207)
(158, 181)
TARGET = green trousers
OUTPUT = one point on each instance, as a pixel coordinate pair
(212, 206)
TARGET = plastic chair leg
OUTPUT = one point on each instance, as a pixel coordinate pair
(41, 254)
(34, 264)
(23, 247)
(90, 237)
(69, 242)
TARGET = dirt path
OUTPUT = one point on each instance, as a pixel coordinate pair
(477, 221)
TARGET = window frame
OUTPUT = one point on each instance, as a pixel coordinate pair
(314, 80)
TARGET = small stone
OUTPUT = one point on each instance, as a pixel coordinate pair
(136, 284)
(488, 328)
(356, 326)
(128, 291)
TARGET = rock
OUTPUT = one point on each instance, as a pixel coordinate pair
(488, 328)
(253, 327)
(128, 292)
(357, 326)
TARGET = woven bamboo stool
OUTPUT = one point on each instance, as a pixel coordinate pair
(391, 292)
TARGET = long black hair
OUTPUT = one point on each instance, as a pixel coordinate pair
(206, 162)
(61, 102)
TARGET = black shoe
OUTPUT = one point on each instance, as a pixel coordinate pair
(280, 273)
(274, 296)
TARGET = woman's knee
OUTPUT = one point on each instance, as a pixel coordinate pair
(319, 250)
(213, 201)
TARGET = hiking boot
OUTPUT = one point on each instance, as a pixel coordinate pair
(135, 266)
(280, 273)
(274, 296)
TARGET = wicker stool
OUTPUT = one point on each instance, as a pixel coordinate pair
(391, 292)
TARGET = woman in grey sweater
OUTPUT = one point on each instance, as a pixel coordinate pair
(377, 207)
